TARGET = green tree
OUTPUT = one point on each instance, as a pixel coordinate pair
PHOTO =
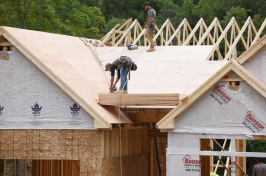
(167, 10)
(30, 14)
(239, 13)
(58, 16)
(209, 9)
(112, 23)
(85, 21)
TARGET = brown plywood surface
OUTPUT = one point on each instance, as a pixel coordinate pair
(71, 64)
(78, 69)
(170, 69)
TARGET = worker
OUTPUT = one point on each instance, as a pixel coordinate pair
(150, 25)
(122, 65)
(260, 168)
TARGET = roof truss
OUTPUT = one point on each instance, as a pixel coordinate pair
(226, 42)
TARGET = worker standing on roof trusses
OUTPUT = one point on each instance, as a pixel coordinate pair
(150, 25)
(122, 65)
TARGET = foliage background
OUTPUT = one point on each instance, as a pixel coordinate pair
(94, 18)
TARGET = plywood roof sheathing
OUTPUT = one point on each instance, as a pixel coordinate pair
(64, 59)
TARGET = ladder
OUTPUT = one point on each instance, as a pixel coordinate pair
(160, 149)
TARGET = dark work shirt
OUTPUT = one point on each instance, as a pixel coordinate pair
(115, 66)
(259, 170)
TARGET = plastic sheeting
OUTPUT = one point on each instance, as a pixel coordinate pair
(183, 154)
(183, 164)
(225, 111)
(257, 65)
(179, 159)
(31, 100)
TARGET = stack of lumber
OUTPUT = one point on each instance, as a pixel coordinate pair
(140, 99)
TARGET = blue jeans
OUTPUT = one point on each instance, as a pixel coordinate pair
(123, 77)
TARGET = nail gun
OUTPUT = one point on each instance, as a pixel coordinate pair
(132, 47)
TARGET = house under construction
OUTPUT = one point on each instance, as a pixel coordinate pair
(201, 84)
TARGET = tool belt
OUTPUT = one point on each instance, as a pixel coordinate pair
(125, 61)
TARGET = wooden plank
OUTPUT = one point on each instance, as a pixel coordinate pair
(131, 142)
(252, 50)
(139, 99)
(106, 144)
(146, 117)
(124, 141)
(240, 161)
(2, 166)
(6, 44)
(205, 160)
(259, 137)
(116, 138)
(259, 32)
(232, 79)
(250, 79)
(157, 133)
(237, 39)
(112, 144)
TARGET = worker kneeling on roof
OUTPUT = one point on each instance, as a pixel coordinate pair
(122, 65)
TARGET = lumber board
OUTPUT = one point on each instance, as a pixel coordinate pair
(232, 79)
(146, 117)
(139, 99)
(157, 133)
(6, 44)
(259, 137)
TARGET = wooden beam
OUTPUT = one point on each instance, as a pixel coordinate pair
(157, 133)
(6, 44)
(140, 99)
(232, 80)
(146, 117)
(259, 137)
(4, 56)
(205, 144)
(254, 49)
(241, 161)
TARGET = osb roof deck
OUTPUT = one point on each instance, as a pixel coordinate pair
(164, 77)
(71, 65)
(190, 73)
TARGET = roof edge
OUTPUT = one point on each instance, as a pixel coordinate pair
(166, 122)
(101, 123)
(252, 50)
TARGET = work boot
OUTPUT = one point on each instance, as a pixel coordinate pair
(121, 92)
(150, 50)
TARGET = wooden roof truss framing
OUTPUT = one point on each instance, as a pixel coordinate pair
(228, 43)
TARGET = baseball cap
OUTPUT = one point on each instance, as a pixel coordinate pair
(146, 3)
(106, 65)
